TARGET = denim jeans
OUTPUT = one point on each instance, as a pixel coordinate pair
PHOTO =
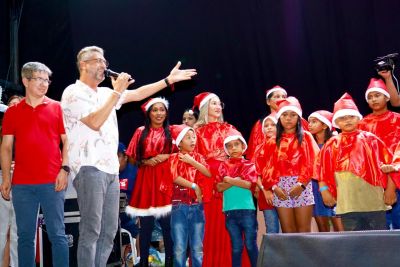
(271, 221)
(241, 223)
(361, 221)
(98, 201)
(393, 215)
(26, 200)
(187, 226)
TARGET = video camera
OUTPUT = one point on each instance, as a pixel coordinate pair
(386, 62)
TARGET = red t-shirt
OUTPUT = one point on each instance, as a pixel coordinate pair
(37, 136)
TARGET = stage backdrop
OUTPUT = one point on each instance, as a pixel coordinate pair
(317, 50)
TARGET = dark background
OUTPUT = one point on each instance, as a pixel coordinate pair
(315, 49)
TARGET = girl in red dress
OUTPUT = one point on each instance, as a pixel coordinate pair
(150, 148)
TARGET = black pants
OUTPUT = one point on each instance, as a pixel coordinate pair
(146, 228)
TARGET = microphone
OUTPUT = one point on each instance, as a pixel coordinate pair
(111, 73)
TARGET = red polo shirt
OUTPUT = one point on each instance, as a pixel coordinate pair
(37, 136)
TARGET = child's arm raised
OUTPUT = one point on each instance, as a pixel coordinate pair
(185, 183)
(200, 167)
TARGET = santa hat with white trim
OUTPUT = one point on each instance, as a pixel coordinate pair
(234, 134)
(178, 132)
(345, 106)
(271, 117)
(201, 99)
(324, 116)
(376, 85)
(274, 89)
(145, 107)
(291, 103)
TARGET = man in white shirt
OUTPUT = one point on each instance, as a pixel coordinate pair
(92, 127)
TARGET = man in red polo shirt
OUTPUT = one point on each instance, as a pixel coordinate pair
(36, 127)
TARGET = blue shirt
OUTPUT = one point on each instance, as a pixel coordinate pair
(129, 175)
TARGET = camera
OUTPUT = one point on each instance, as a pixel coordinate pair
(386, 62)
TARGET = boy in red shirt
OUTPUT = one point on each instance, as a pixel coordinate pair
(349, 173)
(187, 216)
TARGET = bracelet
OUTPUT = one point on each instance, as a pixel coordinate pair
(167, 82)
(323, 188)
(116, 93)
(274, 187)
(302, 185)
(194, 186)
(261, 187)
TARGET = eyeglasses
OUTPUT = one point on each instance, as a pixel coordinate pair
(40, 80)
(98, 60)
(216, 103)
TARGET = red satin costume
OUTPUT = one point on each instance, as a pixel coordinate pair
(210, 143)
(150, 196)
(358, 152)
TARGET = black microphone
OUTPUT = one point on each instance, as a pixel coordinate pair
(110, 73)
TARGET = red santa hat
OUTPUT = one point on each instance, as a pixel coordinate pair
(178, 132)
(291, 103)
(343, 107)
(234, 134)
(271, 117)
(274, 89)
(145, 107)
(324, 116)
(376, 85)
(201, 99)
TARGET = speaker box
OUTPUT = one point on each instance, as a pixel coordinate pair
(356, 249)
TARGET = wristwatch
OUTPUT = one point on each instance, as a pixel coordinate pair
(66, 168)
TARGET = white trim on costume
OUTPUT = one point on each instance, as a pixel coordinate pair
(345, 112)
(157, 212)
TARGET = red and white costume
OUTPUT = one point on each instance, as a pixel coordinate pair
(150, 195)
(387, 125)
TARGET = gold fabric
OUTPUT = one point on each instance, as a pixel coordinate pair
(354, 194)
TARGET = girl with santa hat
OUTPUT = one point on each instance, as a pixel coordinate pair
(272, 95)
(320, 125)
(270, 215)
(150, 148)
(289, 160)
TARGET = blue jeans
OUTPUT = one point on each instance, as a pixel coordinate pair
(26, 200)
(239, 223)
(271, 221)
(362, 221)
(187, 225)
(98, 201)
(393, 215)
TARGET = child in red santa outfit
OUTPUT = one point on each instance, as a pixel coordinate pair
(320, 125)
(270, 215)
(187, 217)
(150, 148)
(237, 179)
(349, 174)
(289, 160)
(386, 125)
